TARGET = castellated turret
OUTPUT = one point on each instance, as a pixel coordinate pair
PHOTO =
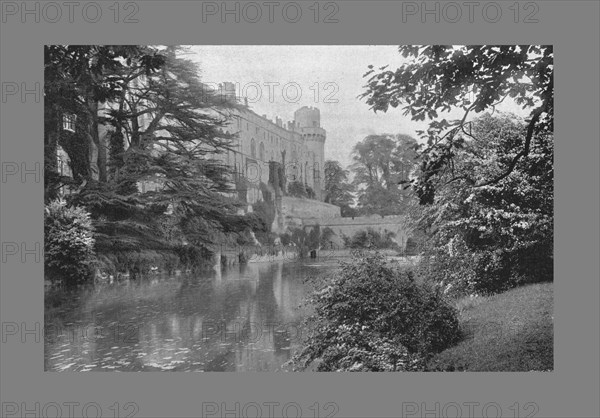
(308, 124)
(227, 91)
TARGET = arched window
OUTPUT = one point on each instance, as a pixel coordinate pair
(262, 151)
(253, 148)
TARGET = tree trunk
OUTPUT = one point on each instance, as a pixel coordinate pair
(51, 175)
(100, 144)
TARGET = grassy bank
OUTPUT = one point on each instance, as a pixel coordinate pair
(511, 331)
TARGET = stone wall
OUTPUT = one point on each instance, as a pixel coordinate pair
(350, 226)
(301, 213)
(260, 141)
(297, 212)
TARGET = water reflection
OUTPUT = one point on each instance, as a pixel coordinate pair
(244, 318)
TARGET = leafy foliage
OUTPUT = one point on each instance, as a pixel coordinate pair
(371, 239)
(381, 164)
(156, 161)
(297, 189)
(371, 317)
(491, 238)
(439, 78)
(265, 213)
(68, 243)
(338, 190)
(77, 79)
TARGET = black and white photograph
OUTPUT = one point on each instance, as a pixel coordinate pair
(298, 208)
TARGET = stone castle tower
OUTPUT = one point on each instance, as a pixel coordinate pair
(307, 122)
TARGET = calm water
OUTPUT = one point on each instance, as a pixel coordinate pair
(244, 318)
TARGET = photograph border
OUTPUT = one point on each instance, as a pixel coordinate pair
(570, 390)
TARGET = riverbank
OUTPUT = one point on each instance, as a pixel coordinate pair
(328, 255)
(512, 331)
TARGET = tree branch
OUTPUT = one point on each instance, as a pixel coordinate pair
(530, 130)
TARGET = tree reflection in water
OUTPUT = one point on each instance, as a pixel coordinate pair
(245, 318)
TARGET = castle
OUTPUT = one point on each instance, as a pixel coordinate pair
(267, 157)
(296, 146)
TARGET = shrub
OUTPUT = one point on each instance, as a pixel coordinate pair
(265, 213)
(491, 238)
(412, 248)
(297, 189)
(370, 238)
(373, 317)
(193, 257)
(68, 244)
(460, 270)
(139, 263)
(286, 239)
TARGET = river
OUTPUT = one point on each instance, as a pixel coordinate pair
(241, 318)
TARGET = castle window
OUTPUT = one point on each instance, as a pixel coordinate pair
(262, 151)
(253, 148)
(69, 122)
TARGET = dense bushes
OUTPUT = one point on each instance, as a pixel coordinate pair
(68, 244)
(265, 213)
(299, 189)
(412, 247)
(192, 257)
(70, 258)
(140, 263)
(491, 238)
(370, 239)
(372, 317)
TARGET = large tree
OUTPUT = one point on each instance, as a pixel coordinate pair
(471, 78)
(77, 79)
(489, 238)
(338, 190)
(162, 129)
(381, 163)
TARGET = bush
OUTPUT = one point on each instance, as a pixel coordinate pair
(265, 213)
(297, 189)
(460, 270)
(68, 244)
(371, 239)
(193, 257)
(374, 318)
(138, 263)
(489, 239)
(412, 248)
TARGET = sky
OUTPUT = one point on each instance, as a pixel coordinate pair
(280, 79)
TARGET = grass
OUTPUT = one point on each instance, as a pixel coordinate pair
(511, 331)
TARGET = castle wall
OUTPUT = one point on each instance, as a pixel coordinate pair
(299, 148)
(297, 212)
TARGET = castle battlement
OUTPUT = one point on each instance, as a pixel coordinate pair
(298, 145)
